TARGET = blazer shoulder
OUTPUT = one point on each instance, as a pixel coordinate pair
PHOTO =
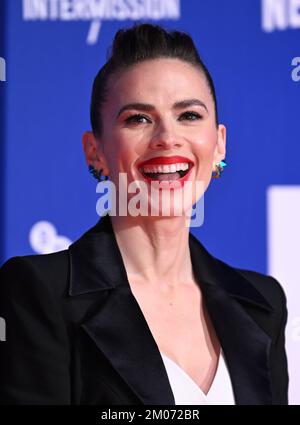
(49, 270)
(267, 285)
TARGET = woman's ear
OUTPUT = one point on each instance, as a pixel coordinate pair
(93, 154)
(220, 149)
(89, 145)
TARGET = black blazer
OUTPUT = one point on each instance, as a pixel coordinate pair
(75, 333)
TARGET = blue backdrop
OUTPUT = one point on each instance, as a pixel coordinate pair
(2, 130)
(52, 55)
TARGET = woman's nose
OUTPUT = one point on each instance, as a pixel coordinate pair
(165, 138)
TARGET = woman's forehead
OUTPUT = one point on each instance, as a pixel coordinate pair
(161, 80)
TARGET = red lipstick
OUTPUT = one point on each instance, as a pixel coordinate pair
(165, 160)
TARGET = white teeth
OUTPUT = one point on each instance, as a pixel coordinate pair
(172, 168)
(183, 166)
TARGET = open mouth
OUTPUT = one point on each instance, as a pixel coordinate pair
(166, 172)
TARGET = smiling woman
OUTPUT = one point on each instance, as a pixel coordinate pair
(143, 117)
(137, 311)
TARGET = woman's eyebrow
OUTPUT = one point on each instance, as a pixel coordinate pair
(189, 102)
(137, 106)
(177, 105)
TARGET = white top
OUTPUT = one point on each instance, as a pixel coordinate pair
(186, 391)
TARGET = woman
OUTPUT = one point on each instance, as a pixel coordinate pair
(137, 311)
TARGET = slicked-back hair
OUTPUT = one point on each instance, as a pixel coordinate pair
(137, 44)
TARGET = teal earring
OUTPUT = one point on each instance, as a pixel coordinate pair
(97, 173)
(219, 169)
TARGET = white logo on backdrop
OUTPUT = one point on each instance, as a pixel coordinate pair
(280, 14)
(296, 71)
(43, 238)
(283, 264)
(98, 11)
(2, 69)
(296, 329)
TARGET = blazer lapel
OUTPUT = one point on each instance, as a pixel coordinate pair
(122, 334)
(246, 346)
(119, 329)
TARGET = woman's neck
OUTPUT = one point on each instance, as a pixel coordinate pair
(155, 249)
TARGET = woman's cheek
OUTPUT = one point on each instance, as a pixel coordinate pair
(204, 149)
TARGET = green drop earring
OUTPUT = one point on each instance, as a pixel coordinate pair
(219, 169)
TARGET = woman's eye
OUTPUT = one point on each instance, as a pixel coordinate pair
(190, 116)
(137, 118)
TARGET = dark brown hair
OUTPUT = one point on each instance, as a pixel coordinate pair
(137, 44)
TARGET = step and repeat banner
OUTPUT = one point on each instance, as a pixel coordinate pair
(50, 53)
